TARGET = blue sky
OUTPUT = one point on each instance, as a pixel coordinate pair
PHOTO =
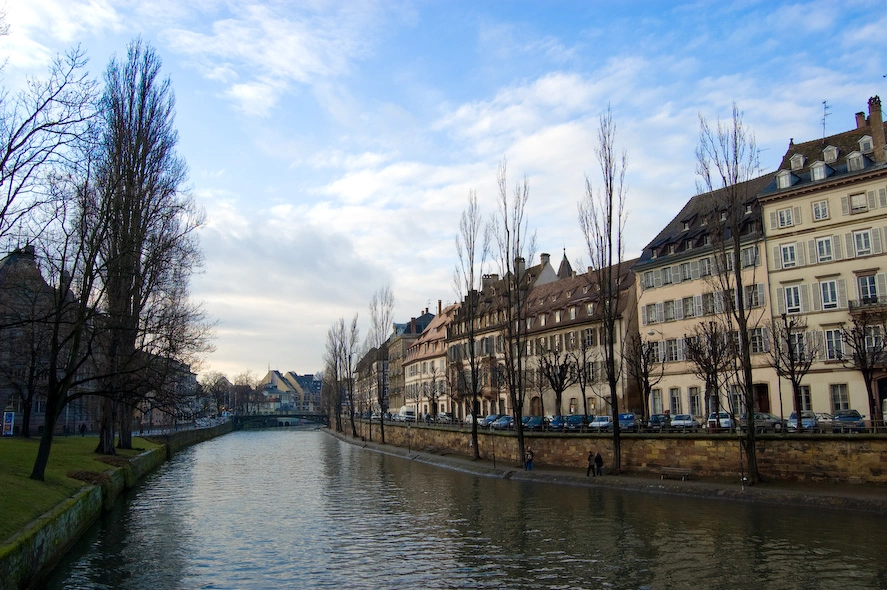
(333, 144)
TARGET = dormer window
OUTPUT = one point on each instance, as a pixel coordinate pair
(723, 216)
(830, 154)
(865, 144)
(797, 161)
(686, 226)
(819, 171)
(855, 162)
(748, 209)
(671, 248)
(653, 253)
(784, 179)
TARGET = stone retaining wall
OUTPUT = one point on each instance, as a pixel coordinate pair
(34, 551)
(850, 458)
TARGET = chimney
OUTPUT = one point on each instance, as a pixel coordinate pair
(412, 325)
(488, 280)
(544, 257)
(439, 308)
(877, 123)
(860, 120)
(520, 266)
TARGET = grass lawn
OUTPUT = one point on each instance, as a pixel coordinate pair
(23, 499)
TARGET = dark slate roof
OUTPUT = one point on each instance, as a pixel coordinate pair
(695, 215)
(565, 271)
(846, 142)
(421, 323)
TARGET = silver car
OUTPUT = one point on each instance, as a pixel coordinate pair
(684, 422)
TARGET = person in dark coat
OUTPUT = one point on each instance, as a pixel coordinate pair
(598, 464)
(590, 464)
(528, 460)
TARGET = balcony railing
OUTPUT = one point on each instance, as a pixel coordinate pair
(868, 303)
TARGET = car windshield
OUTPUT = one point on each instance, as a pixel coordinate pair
(681, 417)
(626, 416)
(847, 414)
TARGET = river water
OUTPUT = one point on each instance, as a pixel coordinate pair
(300, 509)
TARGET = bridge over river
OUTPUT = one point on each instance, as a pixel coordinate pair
(242, 422)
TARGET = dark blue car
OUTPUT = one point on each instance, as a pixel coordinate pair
(628, 422)
(848, 421)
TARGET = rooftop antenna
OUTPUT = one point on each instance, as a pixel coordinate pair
(825, 113)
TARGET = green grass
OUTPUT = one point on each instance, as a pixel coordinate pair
(23, 499)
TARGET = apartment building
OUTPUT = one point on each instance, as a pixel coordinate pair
(402, 337)
(684, 275)
(826, 214)
(427, 389)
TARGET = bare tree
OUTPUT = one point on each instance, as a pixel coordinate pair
(558, 368)
(472, 248)
(602, 220)
(792, 353)
(865, 350)
(40, 127)
(381, 323)
(727, 162)
(151, 248)
(342, 342)
(711, 353)
(510, 232)
(645, 366)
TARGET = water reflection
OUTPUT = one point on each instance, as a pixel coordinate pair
(284, 509)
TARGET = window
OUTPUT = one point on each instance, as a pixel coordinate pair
(705, 267)
(689, 307)
(647, 279)
(793, 299)
(656, 400)
(784, 179)
(868, 292)
(840, 399)
(675, 394)
(757, 342)
(543, 319)
(557, 316)
(708, 303)
(686, 226)
(588, 337)
(685, 271)
(788, 256)
(819, 171)
(830, 154)
(589, 309)
(855, 162)
(666, 275)
(671, 350)
(650, 313)
(797, 161)
(738, 399)
(695, 401)
(669, 311)
(829, 294)
(859, 203)
(865, 144)
(806, 402)
(797, 346)
(863, 242)
(785, 217)
(749, 256)
(834, 346)
(874, 339)
(824, 249)
(753, 295)
(820, 210)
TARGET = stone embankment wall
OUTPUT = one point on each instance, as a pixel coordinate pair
(850, 458)
(30, 554)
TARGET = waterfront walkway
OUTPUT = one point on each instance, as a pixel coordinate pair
(858, 497)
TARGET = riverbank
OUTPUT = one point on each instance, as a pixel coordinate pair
(856, 497)
(27, 555)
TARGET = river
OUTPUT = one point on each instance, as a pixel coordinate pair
(290, 508)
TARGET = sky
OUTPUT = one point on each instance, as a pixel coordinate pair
(333, 144)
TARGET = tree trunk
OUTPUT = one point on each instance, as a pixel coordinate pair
(39, 470)
(26, 419)
(106, 428)
(124, 437)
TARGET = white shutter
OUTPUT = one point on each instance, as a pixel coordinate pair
(643, 315)
(882, 194)
(657, 278)
(805, 298)
(676, 274)
(697, 305)
(842, 293)
(873, 203)
(719, 301)
(876, 240)
(812, 255)
(802, 259)
(694, 270)
(851, 247)
(762, 294)
(817, 297)
(681, 349)
(881, 284)
(796, 216)
(678, 309)
(766, 333)
(777, 258)
(780, 300)
(774, 220)
(660, 312)
(836, 248)
(845, 206)
(817, 340)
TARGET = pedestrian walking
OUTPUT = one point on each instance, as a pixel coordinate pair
(590, 464)
(82, 429)
(598, 464)
(528, 460)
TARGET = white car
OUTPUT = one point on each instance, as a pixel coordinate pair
(720, 420)
(601, 423)
(685, 422)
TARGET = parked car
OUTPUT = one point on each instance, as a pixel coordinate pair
(684, 422)
(534, 423)
(848, 421)
(601, 423)
(658, 422)
(824, 421)
(503, 423)
(575, 422)
(444, 418)
(485, 423)
(719, 420)
(557, 423)
(468, 419)
(808, 421)
(628, 422)
(764, 421)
